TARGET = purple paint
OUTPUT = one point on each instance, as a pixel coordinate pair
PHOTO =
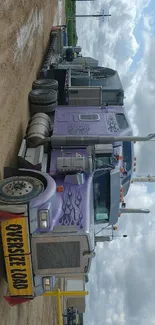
(67, 121)
(75, 205)
(75, 209)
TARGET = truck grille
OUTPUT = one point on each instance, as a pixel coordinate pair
(57, 255)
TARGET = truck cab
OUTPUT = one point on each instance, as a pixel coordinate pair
(62, 193)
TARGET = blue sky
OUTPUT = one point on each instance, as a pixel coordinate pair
(122, 278)
(138, 32)
(139, 38)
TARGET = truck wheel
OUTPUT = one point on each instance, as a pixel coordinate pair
(45, 84)
(35, 108)
(43, 96)
(20, 189)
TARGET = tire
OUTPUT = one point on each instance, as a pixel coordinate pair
(43, 96)
(36, 108)
(45, 84)
(20, 189)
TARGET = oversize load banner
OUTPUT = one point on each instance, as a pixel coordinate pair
(17, 256)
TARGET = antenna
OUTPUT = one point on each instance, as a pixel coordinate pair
(108, 15)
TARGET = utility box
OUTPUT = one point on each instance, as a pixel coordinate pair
(75, 285)
(85, 96)
(77, 302)
(113, 97)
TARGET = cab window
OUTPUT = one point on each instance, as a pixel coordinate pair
(101, 187)
(121, 120)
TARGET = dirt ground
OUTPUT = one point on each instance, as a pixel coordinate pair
(24, 31)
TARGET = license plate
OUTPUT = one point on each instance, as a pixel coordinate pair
(17, 256)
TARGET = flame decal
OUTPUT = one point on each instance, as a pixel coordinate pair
(72, 209)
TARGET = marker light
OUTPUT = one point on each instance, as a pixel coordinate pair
(46, 284)
(60, 189)
(43, 219)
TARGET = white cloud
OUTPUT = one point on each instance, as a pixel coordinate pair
(140, 98)
(122, 276)
(113, 43)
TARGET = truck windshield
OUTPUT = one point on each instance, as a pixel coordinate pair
(127, 155)
(101, 187)
(100, 161)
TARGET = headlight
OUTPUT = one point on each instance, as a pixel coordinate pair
(43, 219)
(47, 284)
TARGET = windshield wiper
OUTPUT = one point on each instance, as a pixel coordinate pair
(107, 166)
(101, 171)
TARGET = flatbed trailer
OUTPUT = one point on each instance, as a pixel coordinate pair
(53, 56)
(56, 66)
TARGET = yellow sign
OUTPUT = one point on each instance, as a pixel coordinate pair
(19, 277)
(15, 237)
(17, 256)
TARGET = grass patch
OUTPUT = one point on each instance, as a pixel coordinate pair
(70, 8)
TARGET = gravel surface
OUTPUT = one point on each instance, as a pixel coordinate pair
(24, 32)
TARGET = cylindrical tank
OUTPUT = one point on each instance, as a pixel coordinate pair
(39, 128)
(42, 116)
(69, 54)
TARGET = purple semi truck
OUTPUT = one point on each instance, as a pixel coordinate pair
(71, 167)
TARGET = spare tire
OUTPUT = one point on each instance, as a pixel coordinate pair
(43, 96)
(36, 108)
(45, 84)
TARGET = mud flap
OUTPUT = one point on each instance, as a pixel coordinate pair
(10, 171)
(7, 216)
(14, 301)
